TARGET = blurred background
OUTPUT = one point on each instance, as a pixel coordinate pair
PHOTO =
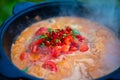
(6, 7)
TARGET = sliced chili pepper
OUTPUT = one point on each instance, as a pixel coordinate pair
(38, 42)
(50, 66)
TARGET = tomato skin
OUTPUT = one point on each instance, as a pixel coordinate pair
(23, 56)
(65, 48)
(55, 53)
(34, 46)
(38, 42)
(41, 31)
(80, 38)
(74, 46)
(50, 65)
(68, 40)
(84, 47)
(68, 29)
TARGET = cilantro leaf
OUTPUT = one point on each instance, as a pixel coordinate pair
(75, 32)
(50, 30)
(25, 70)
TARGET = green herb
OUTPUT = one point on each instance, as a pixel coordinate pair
(57, 40)
(74, 36)
(42, 45)
(38, 37)
(25, 70)
(50, 30)
(45, 35)
(41, 36)
(75, 32)
(64, 35)
(56, 30)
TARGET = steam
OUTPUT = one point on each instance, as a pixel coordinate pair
(102, 11)
(105, 12)
(111, 59)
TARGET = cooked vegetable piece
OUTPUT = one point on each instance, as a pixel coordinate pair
(41, 31)
(65, 48)
(23, 56)
(84, 47)
(49, 39)
(79, 37)
(74, 46)
(50, 65)
(68, 40)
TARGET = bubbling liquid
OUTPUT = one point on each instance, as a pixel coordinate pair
(100, 59)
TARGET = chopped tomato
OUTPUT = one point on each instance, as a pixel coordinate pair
(55, 53)
(34, 46)
(23, 56)
(68, 39)
(68, 29)
(73, 46)
(65, 48)
(79, 37)
(38, 42)
(50, 65)
(84, 47)
(41, 31)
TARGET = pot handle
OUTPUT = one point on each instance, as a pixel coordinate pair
(22, 6)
